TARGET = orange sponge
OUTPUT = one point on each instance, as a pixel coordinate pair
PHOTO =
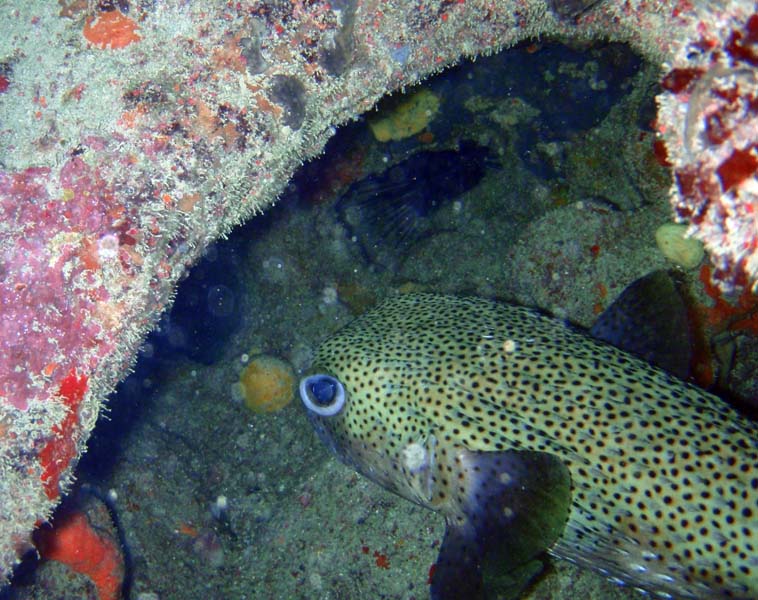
(73, 541)
(111, 29)
(268, 384)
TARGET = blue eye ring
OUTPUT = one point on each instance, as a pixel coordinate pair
(322, 394)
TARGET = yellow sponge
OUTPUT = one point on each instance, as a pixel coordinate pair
(268, 384)
(404, 116)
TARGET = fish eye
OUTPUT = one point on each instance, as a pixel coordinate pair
(322, 394)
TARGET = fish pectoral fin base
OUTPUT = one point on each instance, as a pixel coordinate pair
(506, 509)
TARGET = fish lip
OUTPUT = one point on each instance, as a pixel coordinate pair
(346, 453)
(323, 432)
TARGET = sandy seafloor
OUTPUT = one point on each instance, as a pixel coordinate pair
(563, 219)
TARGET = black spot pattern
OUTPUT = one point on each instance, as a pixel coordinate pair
(664, 475)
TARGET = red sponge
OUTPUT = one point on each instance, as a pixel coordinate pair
(74, 541)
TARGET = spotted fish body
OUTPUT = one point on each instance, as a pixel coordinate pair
(663, 476)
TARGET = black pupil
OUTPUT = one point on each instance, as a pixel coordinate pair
(323, 390)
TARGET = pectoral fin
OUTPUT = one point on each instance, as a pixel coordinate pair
(507, 508)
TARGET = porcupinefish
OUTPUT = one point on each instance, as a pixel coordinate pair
(528, 434)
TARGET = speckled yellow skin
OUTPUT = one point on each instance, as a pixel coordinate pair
(664, 475)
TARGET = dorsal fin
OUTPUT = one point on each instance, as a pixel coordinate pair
(649, 320)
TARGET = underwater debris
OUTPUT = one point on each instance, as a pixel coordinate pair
(388, 213)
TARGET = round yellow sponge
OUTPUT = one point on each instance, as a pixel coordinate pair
(268, 384)
(404, 116)
(672, 241)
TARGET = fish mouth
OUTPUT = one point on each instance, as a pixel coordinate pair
(357, 455)
(349, 452)
(326, 436)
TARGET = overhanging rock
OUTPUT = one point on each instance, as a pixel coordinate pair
(136, 133)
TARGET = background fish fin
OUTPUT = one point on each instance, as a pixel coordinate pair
(649, 319)
(510, 507)
(389, 212)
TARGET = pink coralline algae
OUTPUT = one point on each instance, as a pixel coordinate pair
(51, 294)
(708, 119)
